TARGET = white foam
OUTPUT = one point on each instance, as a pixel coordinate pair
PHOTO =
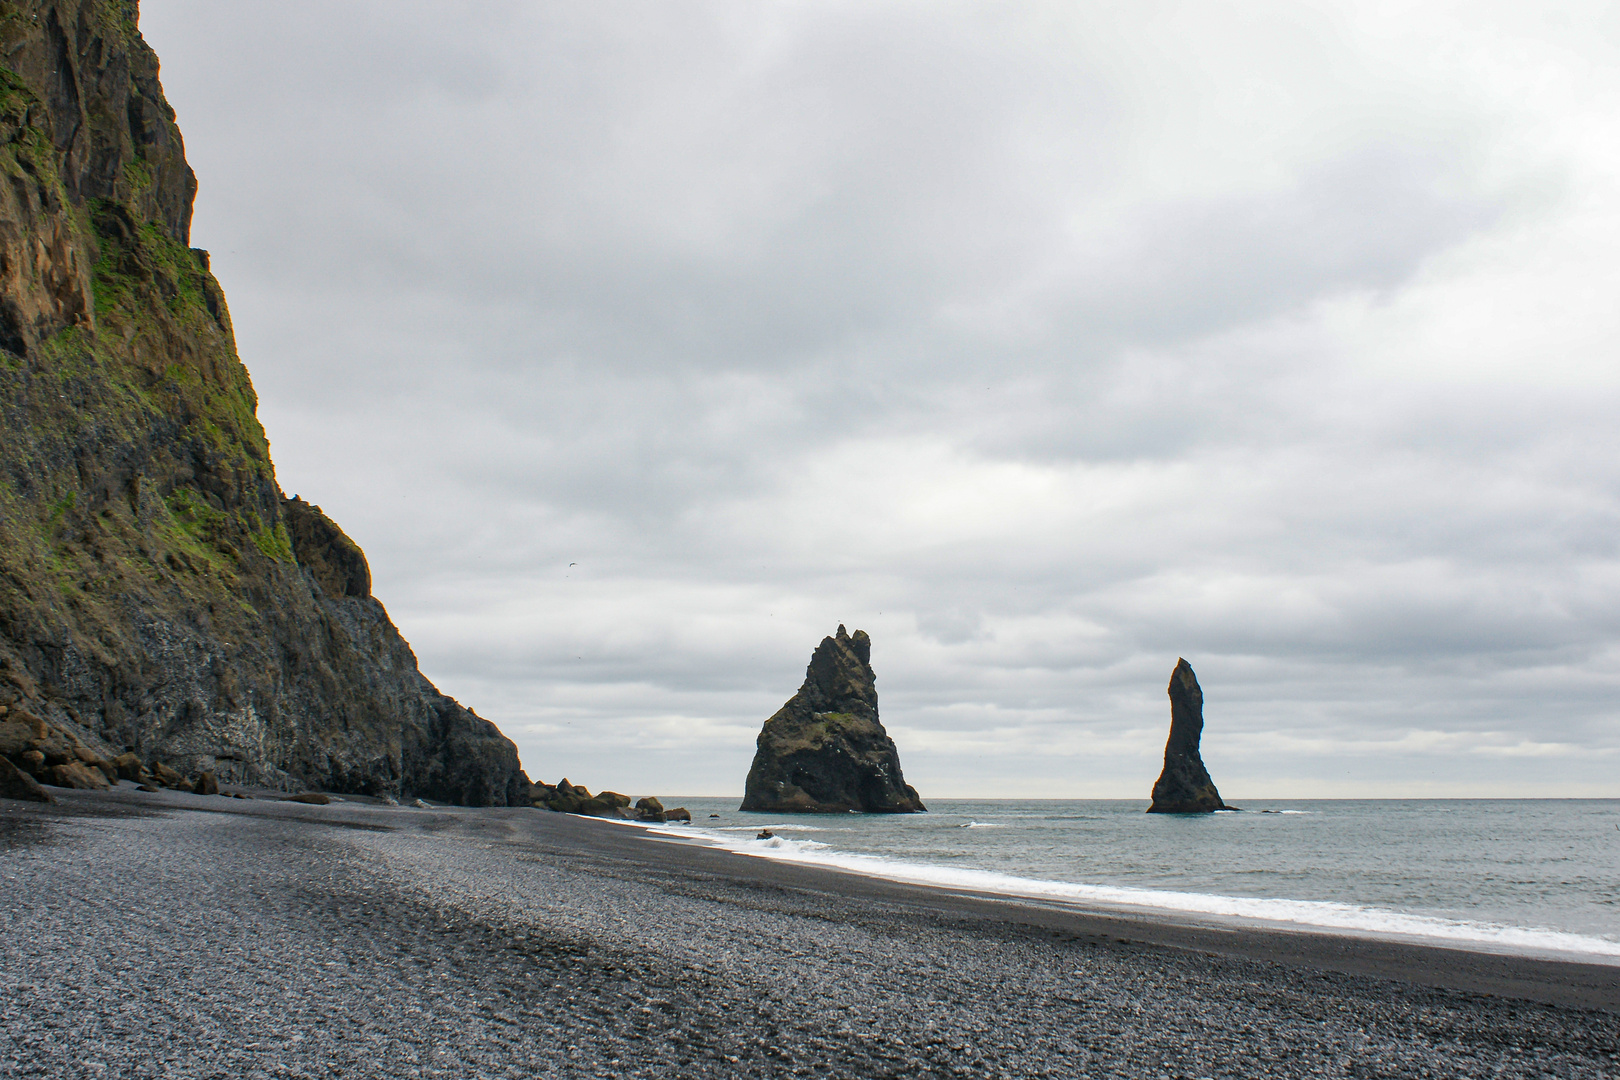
(983, 825)
(1353, 919)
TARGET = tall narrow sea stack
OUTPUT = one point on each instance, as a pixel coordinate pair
(825, 751)
(1184, 787)
(159, 594)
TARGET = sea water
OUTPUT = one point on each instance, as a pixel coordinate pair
(1536, 876)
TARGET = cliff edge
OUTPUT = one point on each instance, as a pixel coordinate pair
(825, 750)
(1184, 787)
(158, 592)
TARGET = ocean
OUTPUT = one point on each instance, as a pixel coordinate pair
(1526, 876)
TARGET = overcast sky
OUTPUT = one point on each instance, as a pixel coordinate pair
(641, 344)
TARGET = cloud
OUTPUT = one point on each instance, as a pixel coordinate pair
(1045, 343)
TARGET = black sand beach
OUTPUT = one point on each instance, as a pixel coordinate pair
(169, 935)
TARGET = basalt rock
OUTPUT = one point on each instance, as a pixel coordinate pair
(825, 750)
(1184, 787)
(76, 774)
(16, 784)
(159, 594)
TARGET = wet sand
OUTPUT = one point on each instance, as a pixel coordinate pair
(191, 936)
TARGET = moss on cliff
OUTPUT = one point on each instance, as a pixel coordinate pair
(157, 589)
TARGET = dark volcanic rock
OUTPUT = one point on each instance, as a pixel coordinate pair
(825, 750)
(76, 774)
(1184, 787)
(159, 594)
(16, 784)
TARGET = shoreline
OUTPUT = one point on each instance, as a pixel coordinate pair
(173, 933)
(1213, 910)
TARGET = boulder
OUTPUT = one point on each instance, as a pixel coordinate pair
(605, 808)
(314, 798)
(57, 750)
(165, 775)
(825, 751)
(1184, 787)
(32, 762)
(680, 813)
(651, 803)
(614, 797)
(16, 784)
(108, 769)
(145, 787)
(205, 784)
(183, 786)
(16, 739)
(76, 774)
(129, 766)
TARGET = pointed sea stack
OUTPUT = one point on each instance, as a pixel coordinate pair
(1185, 787)
(825, 751)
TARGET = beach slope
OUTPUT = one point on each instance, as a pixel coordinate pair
(194, 936)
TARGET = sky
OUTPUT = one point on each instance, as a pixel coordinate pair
(641, 345)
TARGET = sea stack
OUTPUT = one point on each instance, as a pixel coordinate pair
(1185, 787)
(825, 751)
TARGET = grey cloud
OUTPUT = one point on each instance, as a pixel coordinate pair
(1046, 344)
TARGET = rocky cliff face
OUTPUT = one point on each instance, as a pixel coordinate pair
(825, 751)
(158, 592)
(1184, 787)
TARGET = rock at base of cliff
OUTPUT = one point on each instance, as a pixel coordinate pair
(16, 784)
(1185, 787)
(76, 774)
(825, 750)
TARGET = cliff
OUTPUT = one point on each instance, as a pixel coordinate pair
(825, 750)
(1184, 787)
(158, 592)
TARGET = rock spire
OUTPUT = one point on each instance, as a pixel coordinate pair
(825, 750)
(1184, 787)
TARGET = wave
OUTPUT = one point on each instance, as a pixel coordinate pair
(1353, 919)
(981, 825)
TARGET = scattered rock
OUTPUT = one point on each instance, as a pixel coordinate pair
(76, 774)
(145, 787)
(714, 815)
(183, 785)
(165, 775)
(205, 784)
(825, 751)
(680, 813)
(313, 798)
(16, 784)
(1184, 787)
(129, 766)
(420, 805)
(239, 795)
(32, 762)
(389, 800)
